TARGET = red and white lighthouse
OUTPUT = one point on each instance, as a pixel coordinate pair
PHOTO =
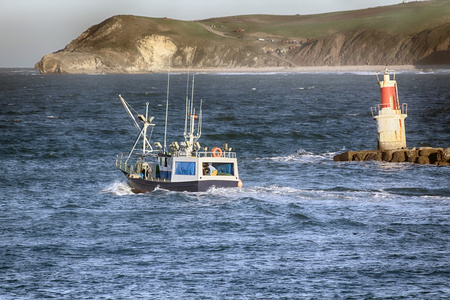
(390, 116)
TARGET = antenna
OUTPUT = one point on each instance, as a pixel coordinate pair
(199, 124)
(187, 105)
(192, 96)
(167, 108)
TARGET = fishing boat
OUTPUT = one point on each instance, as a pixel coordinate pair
(184, 166)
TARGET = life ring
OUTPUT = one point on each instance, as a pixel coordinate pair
(216, 152)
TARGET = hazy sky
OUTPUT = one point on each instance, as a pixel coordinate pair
(30, 29)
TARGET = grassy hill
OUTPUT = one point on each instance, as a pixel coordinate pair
(409, 33)
(404, 18)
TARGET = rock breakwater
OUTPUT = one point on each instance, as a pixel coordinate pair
(423, 155)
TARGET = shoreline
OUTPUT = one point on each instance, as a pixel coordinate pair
(249, 70)
(310, 69)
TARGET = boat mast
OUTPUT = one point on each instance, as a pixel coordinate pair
(167, 110)
(187, 107)
(146, 123)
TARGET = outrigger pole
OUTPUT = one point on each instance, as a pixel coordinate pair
(142, 131)
(127, 108)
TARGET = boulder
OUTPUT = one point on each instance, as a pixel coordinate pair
(398, 156)
(427, 151)
(446, 155)
(374, 155)
(411, 156)
(387, 155)
(423, 160)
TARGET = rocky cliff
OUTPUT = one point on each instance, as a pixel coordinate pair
(131, 44)
(373, 47)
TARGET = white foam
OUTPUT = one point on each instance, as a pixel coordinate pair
(276, 193)
(305, 88)
(118, 188)
(301, 156)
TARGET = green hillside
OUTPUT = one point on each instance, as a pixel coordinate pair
(404, 18)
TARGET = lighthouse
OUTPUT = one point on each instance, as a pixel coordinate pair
(390, 116)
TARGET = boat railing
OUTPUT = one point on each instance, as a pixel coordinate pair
(198, 154)
(126, 162)
(226, 154)
(121, 163)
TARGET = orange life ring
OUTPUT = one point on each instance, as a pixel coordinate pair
(216, 152)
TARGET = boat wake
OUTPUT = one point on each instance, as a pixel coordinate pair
(118, 188)
(289, 194)
(284, 194)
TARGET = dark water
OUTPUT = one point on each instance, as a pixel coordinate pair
(303, 226)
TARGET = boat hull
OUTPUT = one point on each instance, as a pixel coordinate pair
(142, 186)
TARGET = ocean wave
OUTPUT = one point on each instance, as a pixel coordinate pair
(279, 193)
(301, 156)
(19, 71)
(421, 192)
(305, 88)
(237, 73)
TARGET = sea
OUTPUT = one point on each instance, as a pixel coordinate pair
(301, 227)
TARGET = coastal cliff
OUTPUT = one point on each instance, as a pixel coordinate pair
(132, 44)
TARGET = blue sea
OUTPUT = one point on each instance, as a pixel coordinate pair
(302, 227)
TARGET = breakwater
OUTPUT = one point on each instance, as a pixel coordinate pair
(422, 155)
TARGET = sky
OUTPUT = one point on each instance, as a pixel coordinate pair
(30, 29)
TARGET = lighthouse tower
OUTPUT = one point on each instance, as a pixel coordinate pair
(390, 116)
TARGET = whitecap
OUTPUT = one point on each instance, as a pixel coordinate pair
(301, 156)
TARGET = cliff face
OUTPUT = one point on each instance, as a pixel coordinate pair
(129, 44)
(372, 47)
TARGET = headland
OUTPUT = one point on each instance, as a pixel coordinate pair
(409, 34)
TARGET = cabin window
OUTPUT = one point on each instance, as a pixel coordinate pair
(224, 168)
(184, 168)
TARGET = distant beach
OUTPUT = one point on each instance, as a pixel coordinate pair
(310, 69)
